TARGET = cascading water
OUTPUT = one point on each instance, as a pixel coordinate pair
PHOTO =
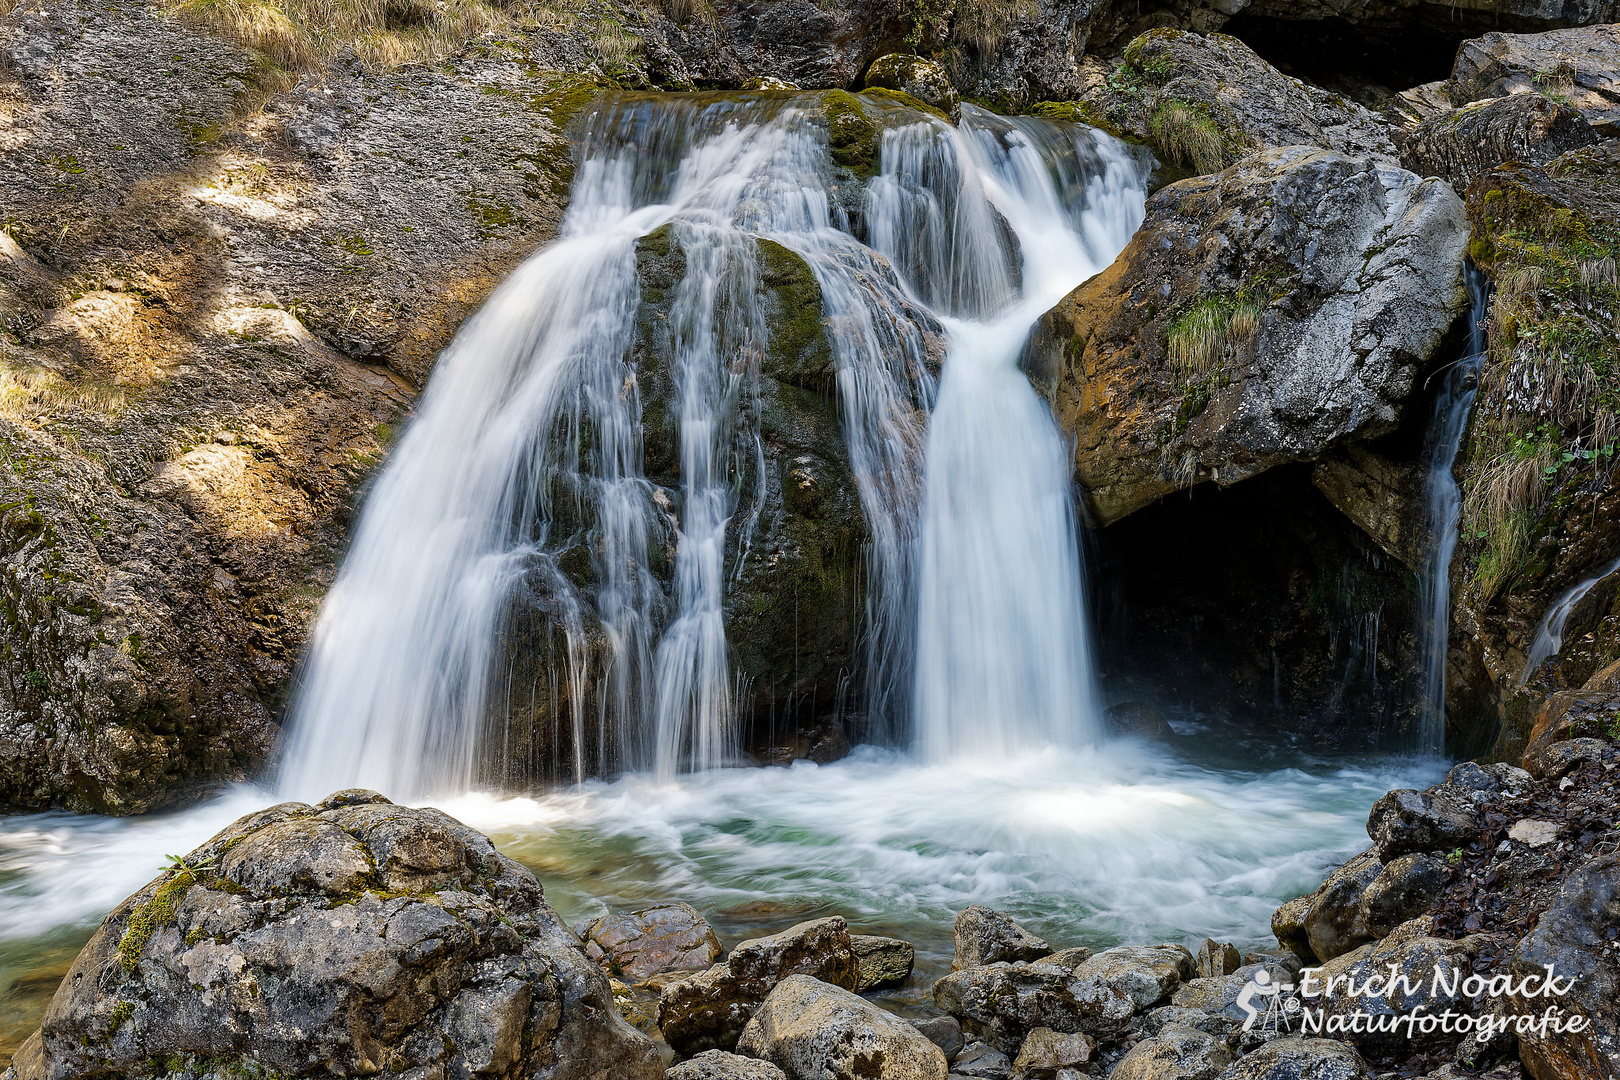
(1442, 512)
(1550, 631)
(529, 436)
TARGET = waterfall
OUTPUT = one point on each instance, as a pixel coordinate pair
(1550, 631)
(1442, 511)
(523, 468)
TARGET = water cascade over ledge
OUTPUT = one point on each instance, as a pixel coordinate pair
(528, 450)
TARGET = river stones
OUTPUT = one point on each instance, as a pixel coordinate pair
(944, 1032)
(272, 949)
(1144, 974)
(1415, 954)
(881, 961)
(815, 1031)
(1407, 821)
(1045, 1052)
(719, 1065)
(640, 944)
(1003, 1002)
(1217, 958)
(709, 1011)
(984, 937)
(1331, 920)
(1574, 936)
(1300, 1059)
(1177, 1053)
(1402, 890)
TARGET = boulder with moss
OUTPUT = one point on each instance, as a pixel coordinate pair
(341, 939)
(919, 77)
(1262, 315)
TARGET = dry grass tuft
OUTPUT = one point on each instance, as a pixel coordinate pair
(1186, 135)
(1210, 332)
(981, 24)
(35, 393)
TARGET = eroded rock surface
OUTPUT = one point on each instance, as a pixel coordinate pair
(815, 1031)
(638, 944)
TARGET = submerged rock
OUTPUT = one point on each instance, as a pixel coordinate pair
(275, 945)
(710, 1010)
(984, 936)
(815, 1031)
(1259, 316)
(639, 944)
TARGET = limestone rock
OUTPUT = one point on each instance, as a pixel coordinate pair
(1415, 954)
(1402, 890)
(1261, 315)
(1572, 936)
(709, 1011)
(1167, 1017)
(816, 1031)
(1555, 760)
(1003, 1002)
(639, 944)
(1217, 958)
(983, 1062)
(271, 949)
(944, 1032)
(1469, 141)
(1177, 1053)
(1144, 974)
(1380, 496)
(881, 961)
(1218, 996)
(1300, 1059)
(719, 1065)
(1409, 821)
(918, 77)
(1045, 1052)
(984, 937)
(1579, 65)
(1334, 923)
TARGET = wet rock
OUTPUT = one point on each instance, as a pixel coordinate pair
(881, 961)
(815, 1031)
(1402, 890)
(1556, 760)
(1334, 922)
(1288, 924)
(719, 1065)
(1203, 102)
(822, 744)
(1300, 1059)
(640, 944)
(1045, 1052)
(1378, 495)
(984, 937)
(1144, 974)
(1218, 996)
(1466, 142)
(1481, 782)
(1575, 935)
(1217, 958)
(1415, 954)
(1138, 718)
(1581, 66)
(944, 1032)
(917, 77)
(1177, 1053)
(1259, 316)
(1407, 821)
(260, 972)
(982, 1061)
(709, 1011)
(1003, 1002)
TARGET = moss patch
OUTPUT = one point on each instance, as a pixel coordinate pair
(852, 138)
(149, 917)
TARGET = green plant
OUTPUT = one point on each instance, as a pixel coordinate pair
(1186, 135)
(1210, 332)
(1455, 858)
(35, 679)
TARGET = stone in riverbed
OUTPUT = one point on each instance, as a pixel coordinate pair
(1333, 922)
(984, 936)
(640, 944)
(1402, 890)
(919, 77)
(1217, 958)
(1300, 1059)
(1002, 1002)
(1406, 821)
(719, 1065)
(275, 961)
(815, 1031)
(1046, 1051)
(709, 1010)
(944, 1032)
(881, 961)
(1145, 974)
(983, 1062)
(1177, 1053)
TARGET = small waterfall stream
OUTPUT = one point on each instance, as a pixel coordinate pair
(529, 436)
(1442, 512)
(1550, 631)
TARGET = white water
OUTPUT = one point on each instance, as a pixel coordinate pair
(1443, 511)
(529, 438)
(1550, 631)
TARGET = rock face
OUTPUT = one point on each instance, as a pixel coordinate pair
(1466, 142)
(985, 937)
(815, 1031)
(1572, 936)
(637, 944)
(709, 1011)
(1261, 315)
(1204, 101)
(1581, 66)
(273, 948)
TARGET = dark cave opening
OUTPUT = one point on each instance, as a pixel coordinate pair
(1364, 63)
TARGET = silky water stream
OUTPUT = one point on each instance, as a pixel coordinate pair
(997, 787)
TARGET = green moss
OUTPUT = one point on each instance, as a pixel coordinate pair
(120, 1015)
(798, 351)
(149, 917)
(1136, 55)
(852, 138)
(1076, 112)
(900, 97)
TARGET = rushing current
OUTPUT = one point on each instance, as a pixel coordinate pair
(1442, 514)
(1549, 637)
(530, 431)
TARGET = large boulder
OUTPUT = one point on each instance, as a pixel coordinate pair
(1334, 923)
(1259, 316)
(666, 937)
(1407, 821)
(1466, 142)
(1146, 974)
(1402, 890)
(709, 1011)
(719, 1065)
(919, 78)
(1575, 935)
(338, 940)
(1581, 66)
(1047, 1054)
(815, 1031)
(984, 936)
(1003, 1002)
(1177, 1053)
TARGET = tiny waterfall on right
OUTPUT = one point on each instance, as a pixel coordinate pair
(1448, 423)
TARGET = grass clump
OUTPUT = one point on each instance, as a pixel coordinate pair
(982, 24)
(1185, 134)
(1209, 333)
(36, 393)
